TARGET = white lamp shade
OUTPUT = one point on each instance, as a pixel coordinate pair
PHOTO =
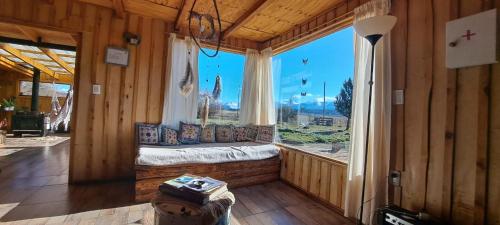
(375, 25)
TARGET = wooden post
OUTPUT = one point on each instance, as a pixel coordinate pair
(35, 90)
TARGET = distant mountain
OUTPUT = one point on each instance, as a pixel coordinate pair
(306, 107)
(315, 108)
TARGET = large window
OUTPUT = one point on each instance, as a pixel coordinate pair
(313, 89)
(229, 67)
(46, 89)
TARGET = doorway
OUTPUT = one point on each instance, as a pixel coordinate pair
(37, 71)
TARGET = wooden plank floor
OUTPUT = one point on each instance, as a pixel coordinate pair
(34, 190)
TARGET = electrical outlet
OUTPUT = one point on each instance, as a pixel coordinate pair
(395, 178)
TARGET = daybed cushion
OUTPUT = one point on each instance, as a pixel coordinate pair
(208, 134)
(168, 136)
(189, 133)
(265, 134)
(240, 134)
(224, 133)
(148, 134)
(204, 153)
(251, 132)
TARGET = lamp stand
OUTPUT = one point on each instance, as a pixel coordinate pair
(373, 41)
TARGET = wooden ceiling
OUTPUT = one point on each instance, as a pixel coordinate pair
(58, 64)
(33, 34)
(255, 20)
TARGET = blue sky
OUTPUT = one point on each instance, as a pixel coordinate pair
(330, 59)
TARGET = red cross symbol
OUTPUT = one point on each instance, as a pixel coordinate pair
(468, 35)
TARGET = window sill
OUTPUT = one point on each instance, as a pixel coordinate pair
(330, 159)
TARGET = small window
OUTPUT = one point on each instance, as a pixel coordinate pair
(312, 113)
(229, 67)
(46, 89)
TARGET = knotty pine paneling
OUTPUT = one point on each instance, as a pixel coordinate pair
(318, 176)
(444, 136)
(102, 145)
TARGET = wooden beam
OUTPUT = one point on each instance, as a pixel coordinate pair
(140, 7)
(180, 14)
(6, 63)
(58, 60)
(247, 16)
(103, 3)
(15, 52)
(29, 51)
(118, 8)
(30, 34)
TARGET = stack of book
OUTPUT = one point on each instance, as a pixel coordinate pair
(195, 189)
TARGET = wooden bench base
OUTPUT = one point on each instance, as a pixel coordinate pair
(236, 174)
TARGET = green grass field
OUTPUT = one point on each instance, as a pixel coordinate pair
(291, 133)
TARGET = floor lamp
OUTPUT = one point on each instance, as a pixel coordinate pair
(372, 29)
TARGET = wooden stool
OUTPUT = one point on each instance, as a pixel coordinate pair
(170, 210)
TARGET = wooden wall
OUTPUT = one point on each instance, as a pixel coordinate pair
(9, 87)
(102, 145)
(318, 176)
(445, 138)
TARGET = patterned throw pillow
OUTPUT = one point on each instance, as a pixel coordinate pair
(240, 133)
(208, 134)
(224, 133)
(251, 133)
(189, 133)
(168, 136)
(147, 134)
(265, 134)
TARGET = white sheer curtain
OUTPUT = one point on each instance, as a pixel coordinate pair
(177, 107)
(379, 140)
(257, 102)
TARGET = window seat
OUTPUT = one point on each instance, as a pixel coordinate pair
(238, 163)
(204, 153)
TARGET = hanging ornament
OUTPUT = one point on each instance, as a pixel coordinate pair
(204, 112)
(206, 28)
(217, 88)
(55, 106)
(186, 84)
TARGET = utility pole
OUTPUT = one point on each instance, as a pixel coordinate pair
(324, 99)
(238, 111)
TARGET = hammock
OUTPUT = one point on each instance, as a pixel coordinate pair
(63, 115)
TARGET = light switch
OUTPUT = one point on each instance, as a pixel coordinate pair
(398, 97)
(96, 89)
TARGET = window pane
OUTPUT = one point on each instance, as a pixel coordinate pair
(308, 80)
(229, 67)
(46, 89)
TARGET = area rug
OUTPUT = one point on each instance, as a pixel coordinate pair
(32, 141)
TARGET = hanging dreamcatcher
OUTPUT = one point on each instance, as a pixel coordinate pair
(206, 28)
